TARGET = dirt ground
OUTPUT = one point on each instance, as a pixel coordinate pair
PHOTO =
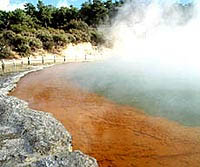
(117, 136)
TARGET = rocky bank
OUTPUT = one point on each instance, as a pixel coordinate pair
(30, 138)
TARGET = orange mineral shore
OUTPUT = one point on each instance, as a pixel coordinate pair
(116, 135)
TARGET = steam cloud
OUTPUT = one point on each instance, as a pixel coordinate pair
(158, 32)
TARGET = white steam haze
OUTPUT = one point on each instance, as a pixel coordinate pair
(157, 33)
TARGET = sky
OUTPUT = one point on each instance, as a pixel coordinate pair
(13, 4)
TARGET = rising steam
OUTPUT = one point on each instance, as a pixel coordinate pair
(160, 32)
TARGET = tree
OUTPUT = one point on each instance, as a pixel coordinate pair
(3, 20)
(94, 13)
(30, 9)
(64, 15)
(86, 12)
(48, 27)
(19, 17)
(45, 14)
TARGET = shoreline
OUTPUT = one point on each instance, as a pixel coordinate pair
(115, 135)
(30, 137)
(82, 52)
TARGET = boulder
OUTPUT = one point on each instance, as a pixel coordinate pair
(30, 138)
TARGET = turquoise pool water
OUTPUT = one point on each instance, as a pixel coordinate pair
(158, 90)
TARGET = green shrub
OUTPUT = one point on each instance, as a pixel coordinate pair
(47, 40)
(8, 37)
(80, 36)
(96, 37)
(76, 24)
(24, 49)
(35, 43)
(21, 44)
(70, 38)
(60, 39)
(18, 28)
(61, 31)
(5, 51)
(55, 31)
(30, 33)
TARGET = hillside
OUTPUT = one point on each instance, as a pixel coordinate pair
(45, 27)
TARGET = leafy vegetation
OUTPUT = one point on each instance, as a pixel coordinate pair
(47, 27)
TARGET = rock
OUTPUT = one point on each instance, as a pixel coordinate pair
(30, 138)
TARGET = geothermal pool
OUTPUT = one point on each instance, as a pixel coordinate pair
(123, 115)
(147, 86)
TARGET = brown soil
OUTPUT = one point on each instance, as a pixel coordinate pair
(117, 136)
